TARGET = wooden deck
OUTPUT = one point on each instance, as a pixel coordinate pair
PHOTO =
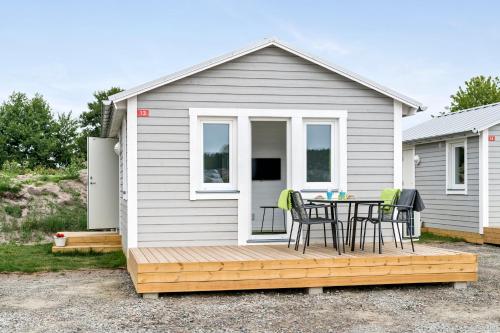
(186, 269)
(492, 235)
(86, 241)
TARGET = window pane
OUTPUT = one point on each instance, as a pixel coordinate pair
(459, 165)
(216, 153)
(319, 153)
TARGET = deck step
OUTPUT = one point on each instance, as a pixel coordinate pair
(85, 241)
(100, 248)
(85, 238)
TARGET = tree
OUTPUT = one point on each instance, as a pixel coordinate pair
(32, 136)
(66, 135)
(479, 90)
(90, 121)
(26, 131)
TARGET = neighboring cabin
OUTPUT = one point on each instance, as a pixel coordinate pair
(187, 142)
(457, 170)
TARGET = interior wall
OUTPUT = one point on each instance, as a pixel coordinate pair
(268, 141)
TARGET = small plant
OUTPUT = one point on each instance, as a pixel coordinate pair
(13, 168)
(9, 185)
(14, 211)
(60, 239)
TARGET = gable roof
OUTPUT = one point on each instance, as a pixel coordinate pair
(255, 47)
(469, 120)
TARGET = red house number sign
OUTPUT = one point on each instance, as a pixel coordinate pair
(492, 138)
(142, 113)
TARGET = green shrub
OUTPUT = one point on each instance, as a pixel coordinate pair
(9, 185)
(61, 218)
(13, 168)
(13, 210)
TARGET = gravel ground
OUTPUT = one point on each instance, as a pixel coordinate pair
(105, 301)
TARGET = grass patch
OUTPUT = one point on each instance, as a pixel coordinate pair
(9, 185)
(13, 210)
(428, 237)
(39, 258)
(72, 218)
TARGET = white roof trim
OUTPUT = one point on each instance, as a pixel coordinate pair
(265, 43)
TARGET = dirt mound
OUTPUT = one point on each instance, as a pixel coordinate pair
(37, 198)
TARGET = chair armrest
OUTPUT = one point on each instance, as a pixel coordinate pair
(397, 206)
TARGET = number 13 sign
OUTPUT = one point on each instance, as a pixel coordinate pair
(142, 113)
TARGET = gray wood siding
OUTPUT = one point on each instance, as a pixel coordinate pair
(494, 177)
(455, 212)
(269, 78)
(123, 203)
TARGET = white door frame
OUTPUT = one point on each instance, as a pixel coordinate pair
(272, 237)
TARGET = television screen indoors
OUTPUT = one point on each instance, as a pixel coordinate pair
(266, 169)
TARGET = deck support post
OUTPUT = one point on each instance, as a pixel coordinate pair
(460, 285)
(315, 291)
(150, 295)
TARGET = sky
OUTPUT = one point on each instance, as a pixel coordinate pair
(66, 50)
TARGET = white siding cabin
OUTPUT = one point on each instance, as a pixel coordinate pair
(170, 197)
(457, 171)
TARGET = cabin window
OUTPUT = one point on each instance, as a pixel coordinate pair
(320, 155)
(457, 167)
(217, 155)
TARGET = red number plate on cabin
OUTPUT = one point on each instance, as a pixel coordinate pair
(142, 113)
(492, 138)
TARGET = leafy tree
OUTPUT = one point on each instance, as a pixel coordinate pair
(90, 121)
(66, 134)
(479, 90)
(30, 134)
(26, 131)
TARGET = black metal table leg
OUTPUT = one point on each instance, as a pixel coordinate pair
(354, 224)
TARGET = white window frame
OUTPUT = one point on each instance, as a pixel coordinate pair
(334, 156)
(451, 186)
(217, 187)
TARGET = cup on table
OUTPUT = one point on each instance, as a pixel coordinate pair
(342, 195)
(329, 194)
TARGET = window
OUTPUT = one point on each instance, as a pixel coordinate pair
(456, 167)
(320, 170)
(217, 160)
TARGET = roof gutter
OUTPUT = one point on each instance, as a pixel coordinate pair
(430, 139)
(106, 113)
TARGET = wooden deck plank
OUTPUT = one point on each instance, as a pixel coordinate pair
(305, 283)
(305, 273)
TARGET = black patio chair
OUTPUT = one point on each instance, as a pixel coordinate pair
(300, 215)
(399, 213)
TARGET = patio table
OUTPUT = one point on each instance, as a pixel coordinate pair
(350, 202)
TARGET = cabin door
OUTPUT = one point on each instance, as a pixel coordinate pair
(102, 186)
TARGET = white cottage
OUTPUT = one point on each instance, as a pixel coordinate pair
(203, 149)
(456, 159)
